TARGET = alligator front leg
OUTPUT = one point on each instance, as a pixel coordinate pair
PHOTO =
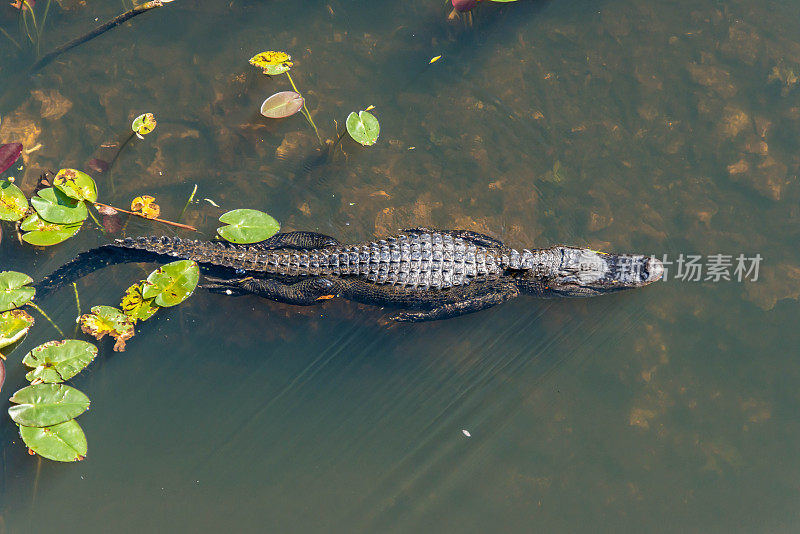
(303, 293)
(298, 240)
(468, 305)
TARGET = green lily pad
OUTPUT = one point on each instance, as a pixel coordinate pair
(54, 206)
(64, 442)
(247, 226)
(107, 320)
(14, 326)
(135, 306)
(13, 290)
(143, 124)
(76, 184)
(13, 204)
(172, 283)
(47, 404)
(57, 361)
(364, 127)
(45, 234)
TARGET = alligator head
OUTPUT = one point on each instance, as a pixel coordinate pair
(580, 272)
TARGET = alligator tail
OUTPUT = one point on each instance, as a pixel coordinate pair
(90, 261)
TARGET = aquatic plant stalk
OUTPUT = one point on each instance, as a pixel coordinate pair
(305, 111)
(100, 30)
(49, 320)
(191, 197)
(179, 225)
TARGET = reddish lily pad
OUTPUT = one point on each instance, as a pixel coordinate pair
(9, 153)
(281, 105)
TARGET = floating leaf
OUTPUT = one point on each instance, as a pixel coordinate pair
(57, 361)
(55, 207)
(13, 290)
(76, 184)
(143, 124)
(247, 226)
(433, 60)
(47, 404)
(272, 62)
(44, 234)
(283, 104)
(13, 204)
(146, 207)
(135, 306)
(107, 320)
(172, 283)
(364, 127)
(2, 373)
(9, 153)
(64, 442)
(14, 325)
(464, 5)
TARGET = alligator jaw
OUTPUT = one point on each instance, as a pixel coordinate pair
(583, 272)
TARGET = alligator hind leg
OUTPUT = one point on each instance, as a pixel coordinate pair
(298, 240)
(468, 305)
(302, 293)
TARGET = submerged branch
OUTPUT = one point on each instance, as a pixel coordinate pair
(116, 21)
(179, 225)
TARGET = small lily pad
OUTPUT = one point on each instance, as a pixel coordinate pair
(143, 124)
(47, 404)
(13, 204)
(76, 184)
(172, 283)
(272, 62)
(57, 361)
(9, 153)
(44, 234)
(14, 291)
(55, 207)
(281, 105)
(2, 373)
(247, 226)
(107, 320)
(64, 442)
(14, 326)
(363, 128)
(135, 306)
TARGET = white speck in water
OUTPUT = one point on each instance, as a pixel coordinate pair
(352, 203)
(228, 292)
(466, 432)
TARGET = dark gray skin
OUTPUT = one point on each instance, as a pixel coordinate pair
(433, 274)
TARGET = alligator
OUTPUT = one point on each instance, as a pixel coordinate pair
(428, 274)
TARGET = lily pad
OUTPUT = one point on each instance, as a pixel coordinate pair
(247, 226)
(172, 283)
(76, 184)
(55, 207)
(143, 124)
(13, 204)
(57, 361)
(13, 290)
(64, 442)
(47, 404)
(2, 373)
(364, 127)
(272, 62)
(281, 105)
(9, 153)
(107, 320)
(14, 325)
(44, 234)
(135, 306)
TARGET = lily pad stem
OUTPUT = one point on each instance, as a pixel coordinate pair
(49, 320)
(179, 225)
(306, 113)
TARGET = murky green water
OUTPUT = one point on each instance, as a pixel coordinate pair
(663, 127)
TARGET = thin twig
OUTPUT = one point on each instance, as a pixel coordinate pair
(100, 30)
(179, 225)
